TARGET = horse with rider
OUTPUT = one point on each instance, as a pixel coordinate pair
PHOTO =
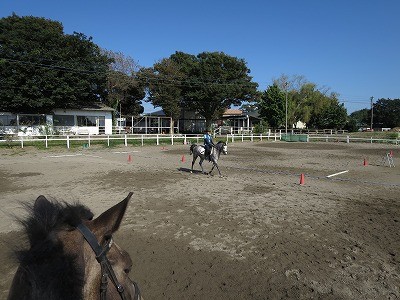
(208, 151)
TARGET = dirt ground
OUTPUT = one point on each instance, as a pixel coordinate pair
(256, 233)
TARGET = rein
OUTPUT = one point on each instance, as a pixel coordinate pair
(106, 268)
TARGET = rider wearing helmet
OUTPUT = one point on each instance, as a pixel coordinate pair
(208, 143)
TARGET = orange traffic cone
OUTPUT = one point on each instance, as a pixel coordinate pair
(183, 159)
(302, 179)
(129, 158)
(365, 162)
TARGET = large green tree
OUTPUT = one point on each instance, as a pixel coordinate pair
(216, 81)
(42, 68)
(271, 106)
(164, 86)
(124, 90)
(333, 115)
(387, 113)
(314, 106)
(360, 118)
(208, 83)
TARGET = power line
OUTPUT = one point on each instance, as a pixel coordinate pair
(158, 80)
(55, 67)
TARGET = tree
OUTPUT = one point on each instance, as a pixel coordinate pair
(272, 106)
(208, 83)
(249, 107)
(163, 83)
(124, 90)
(312, 105)
(387, 113)
(361, 118)
(42, 68)
(332, 116)
(215, 82)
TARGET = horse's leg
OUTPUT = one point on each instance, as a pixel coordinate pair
(201, 164)
(193, 161)
(218, 170)
(215, 165)
(209, 173)
(214, 162)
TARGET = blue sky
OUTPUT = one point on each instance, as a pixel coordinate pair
(349, 46)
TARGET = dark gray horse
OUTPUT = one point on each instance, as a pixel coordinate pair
(199, 151)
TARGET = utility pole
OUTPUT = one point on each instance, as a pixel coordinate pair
(372, 113)
(286, 84)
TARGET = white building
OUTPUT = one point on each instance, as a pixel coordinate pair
(94, 119)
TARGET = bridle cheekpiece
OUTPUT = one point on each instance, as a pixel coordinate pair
(106, 268)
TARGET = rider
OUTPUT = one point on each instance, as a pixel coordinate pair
(208, 144)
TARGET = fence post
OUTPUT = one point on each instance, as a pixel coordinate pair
(251, 138)
(371, 139)
(126, 141)
(172, 139)
(158, 140)
(46, 141)
(308, 138)
(348, 139)
(68, 141)
(142, 138)
(22, 142)
(89, 140)
(108, 140)
(184, 140)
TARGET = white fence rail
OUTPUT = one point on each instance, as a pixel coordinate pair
(157, 139)
(348, 139)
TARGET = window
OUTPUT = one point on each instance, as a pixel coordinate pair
(8, 120)
(32, 120)
(86, 121)
(63, 120)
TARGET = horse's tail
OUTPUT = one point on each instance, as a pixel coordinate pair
(191, 148)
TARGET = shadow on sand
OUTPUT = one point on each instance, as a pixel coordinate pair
(187, 170)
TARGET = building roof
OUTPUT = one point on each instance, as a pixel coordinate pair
(98, 107)
(158, 113)
(232, 112)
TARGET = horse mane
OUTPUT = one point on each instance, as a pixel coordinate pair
(46, 271)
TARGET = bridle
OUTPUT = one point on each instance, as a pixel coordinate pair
(106, 268)
(220, 148)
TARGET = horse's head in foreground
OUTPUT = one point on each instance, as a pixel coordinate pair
(72, 255)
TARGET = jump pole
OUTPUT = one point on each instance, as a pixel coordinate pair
(338, 173)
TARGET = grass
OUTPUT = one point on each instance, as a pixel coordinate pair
(375, 135)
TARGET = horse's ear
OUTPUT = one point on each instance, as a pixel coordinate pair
(110, 220)
(40, 203)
